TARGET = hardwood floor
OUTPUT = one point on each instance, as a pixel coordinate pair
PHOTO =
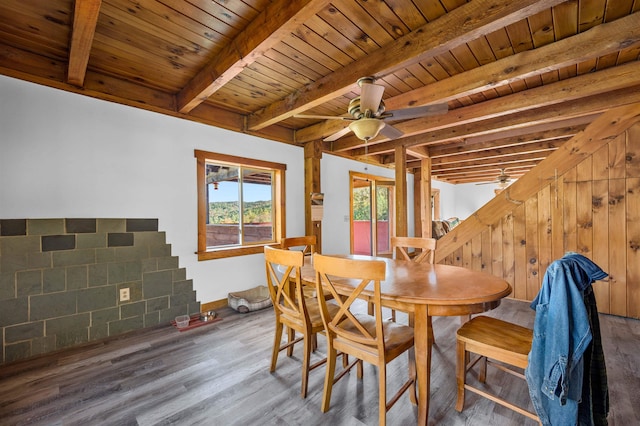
(219, 375)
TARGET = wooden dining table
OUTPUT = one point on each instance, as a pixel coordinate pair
(428, 290)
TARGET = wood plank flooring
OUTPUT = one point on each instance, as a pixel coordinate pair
(219, 375)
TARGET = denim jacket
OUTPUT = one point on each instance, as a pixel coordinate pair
(561, 334)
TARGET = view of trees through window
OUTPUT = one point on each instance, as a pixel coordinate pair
(240, 203)
(362, 203)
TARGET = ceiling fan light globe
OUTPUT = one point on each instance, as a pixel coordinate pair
(366, 128)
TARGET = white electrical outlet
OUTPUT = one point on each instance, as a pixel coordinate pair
(124, 294)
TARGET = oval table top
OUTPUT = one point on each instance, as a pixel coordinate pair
(426, 284)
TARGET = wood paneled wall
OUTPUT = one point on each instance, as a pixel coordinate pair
(593, 208)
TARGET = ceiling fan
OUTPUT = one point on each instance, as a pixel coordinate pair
(368, 115)
(503, 180)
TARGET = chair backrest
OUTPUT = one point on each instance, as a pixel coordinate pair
(307, 242)
(283, 280)
(357, 274)
(402, 244)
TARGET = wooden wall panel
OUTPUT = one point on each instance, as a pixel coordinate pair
(508, 252)
(531, 248)
(617, 247)
(544, 230)
(520, 253)
(584, 217)
(495, 262)
(600, 196)
(593, 209)
(569, 211)
(633, 247)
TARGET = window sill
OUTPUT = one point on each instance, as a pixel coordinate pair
(233, 251)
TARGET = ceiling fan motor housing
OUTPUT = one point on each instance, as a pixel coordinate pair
(355, 112)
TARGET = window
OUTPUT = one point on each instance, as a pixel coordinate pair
(240, 205)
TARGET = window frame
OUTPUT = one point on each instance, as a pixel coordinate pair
(278, 201)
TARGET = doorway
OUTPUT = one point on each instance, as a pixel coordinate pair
(372, 215)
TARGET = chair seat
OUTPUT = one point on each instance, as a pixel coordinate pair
(397, 337)
(497, 339)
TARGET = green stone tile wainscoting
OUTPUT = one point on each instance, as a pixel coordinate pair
(60, 282)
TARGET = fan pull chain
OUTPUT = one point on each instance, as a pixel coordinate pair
(366, 153)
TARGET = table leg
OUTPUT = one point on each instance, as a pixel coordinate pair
(423, 341)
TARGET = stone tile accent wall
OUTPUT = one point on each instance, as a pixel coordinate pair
(60, 282)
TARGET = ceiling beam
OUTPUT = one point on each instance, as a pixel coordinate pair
(85, 19)
(598, 41)
(459, 26)
(274, 23)
(506, 152)
(460, 148)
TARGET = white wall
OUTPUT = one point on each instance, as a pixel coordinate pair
(63, 155)
(462, 200)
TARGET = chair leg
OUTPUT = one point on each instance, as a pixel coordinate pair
(291, 333)
(461, 371)
(482, 375)
(382, 393)
(308, 346)
(328, 378)
(413, 396)
(276, 346)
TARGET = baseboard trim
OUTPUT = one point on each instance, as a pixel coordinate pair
(212, 306)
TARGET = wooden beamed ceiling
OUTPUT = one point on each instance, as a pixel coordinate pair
(520, 77)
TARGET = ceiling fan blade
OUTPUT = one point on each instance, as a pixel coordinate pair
(416, 112)
(370, 97)
(390, 132)
(322, 117)
(337, 135)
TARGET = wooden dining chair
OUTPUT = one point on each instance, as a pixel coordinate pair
(307, 245)
(400, 247)
(292, 309)
(491, 340)
(366, 337)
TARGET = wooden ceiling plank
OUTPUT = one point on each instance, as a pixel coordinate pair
(310, 38)
(590, 14)
(187, 14)
(363, 18)
(279, 18)
(335, 38)
(408, 13)
(541, 25)
(459, 26)
(85, 19)
(156, 19)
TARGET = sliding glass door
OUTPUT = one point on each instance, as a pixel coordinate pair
(372, 214)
